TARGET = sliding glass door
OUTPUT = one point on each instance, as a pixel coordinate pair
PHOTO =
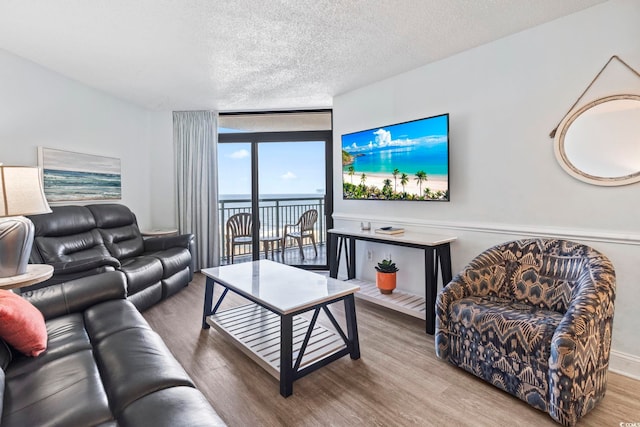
(292, 184)
(282, 182)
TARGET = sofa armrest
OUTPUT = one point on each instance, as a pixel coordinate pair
(81, 265)
(165, 242)
(187, 241)
(77, 295)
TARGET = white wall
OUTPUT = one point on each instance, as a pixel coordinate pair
(41, 108)
(504, 98)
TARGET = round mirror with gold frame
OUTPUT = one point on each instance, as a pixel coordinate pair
(600, 142)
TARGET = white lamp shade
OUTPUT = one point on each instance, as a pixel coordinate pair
(21, 191)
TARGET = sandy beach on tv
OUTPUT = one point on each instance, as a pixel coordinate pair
(433, 182)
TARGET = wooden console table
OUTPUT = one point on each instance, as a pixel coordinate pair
(437, 257)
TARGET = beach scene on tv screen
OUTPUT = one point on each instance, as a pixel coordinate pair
(406, 161)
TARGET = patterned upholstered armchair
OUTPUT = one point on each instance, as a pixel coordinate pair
(534, 318)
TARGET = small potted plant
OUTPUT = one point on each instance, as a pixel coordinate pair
(386, 276)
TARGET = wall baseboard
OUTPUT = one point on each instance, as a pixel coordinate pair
(493, 228)
(625, 364)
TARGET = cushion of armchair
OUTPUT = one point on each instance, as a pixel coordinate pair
(509, 328)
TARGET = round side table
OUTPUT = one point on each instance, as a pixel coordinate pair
(36, 273)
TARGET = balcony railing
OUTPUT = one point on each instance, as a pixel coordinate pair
(274, 214)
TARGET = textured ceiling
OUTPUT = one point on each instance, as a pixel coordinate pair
(254, 54)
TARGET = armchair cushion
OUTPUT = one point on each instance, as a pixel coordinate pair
(507, 343)
(506, 328)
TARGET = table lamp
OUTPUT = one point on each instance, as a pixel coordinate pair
(21, 193)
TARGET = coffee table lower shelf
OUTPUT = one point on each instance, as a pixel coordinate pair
(404, 302)
(256, 332)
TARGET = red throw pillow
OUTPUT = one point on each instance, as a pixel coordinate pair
(21, 324)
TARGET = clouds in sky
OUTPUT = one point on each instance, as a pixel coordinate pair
(384, 140)
(383, 137)
(289, 175)
(240, 154)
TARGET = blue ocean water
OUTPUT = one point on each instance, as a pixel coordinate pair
(433, 159)
(75, 186)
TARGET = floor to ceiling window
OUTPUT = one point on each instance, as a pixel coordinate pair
(274, 171)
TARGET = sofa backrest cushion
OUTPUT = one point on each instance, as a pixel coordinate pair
(63, 221)
(119, 230)
(75, 247)
(66, 234)
(111, 215)
(123, 242)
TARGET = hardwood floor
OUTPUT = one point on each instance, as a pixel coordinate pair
(398, 381)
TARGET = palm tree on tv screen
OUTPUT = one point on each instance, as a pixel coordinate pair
(351, 170)
(395, 174)
(421, 176)
(386, 189)
(404, 180)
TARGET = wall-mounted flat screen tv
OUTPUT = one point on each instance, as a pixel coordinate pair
(405, 161)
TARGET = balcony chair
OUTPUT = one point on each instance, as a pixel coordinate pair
(238, 232)
(534, 318)
(304, 228)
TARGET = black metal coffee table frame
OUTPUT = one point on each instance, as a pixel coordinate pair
(290, 370)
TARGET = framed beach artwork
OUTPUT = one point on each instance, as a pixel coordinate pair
(77, 177)
(404, 161)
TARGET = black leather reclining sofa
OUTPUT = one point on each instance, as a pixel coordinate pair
(103, 366)
(85, 240)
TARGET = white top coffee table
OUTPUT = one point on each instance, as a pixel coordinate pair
(270, 330)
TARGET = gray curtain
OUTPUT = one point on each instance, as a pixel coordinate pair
(195, 138)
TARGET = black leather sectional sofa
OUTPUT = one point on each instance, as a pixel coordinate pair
(104, 366)
(84, 240)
